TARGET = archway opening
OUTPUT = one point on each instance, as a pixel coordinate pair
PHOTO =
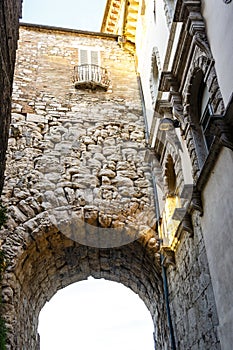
(96, 314)
(50, 261)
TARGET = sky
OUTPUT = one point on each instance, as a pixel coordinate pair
(93, 314)
(73, 14)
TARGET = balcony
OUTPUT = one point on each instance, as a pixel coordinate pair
(91, 76)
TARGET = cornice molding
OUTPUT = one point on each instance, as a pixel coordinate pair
(121, 18)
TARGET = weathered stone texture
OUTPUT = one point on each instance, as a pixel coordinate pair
(81, 151)
(191, 294)
(10, 11)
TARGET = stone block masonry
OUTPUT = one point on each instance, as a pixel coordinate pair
(76, 174)
(191, 294)
(87, 148)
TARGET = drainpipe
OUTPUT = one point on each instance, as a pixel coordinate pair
(156, 201)
(166, 295)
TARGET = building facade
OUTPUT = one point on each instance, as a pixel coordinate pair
(188, 104)
(119, 167)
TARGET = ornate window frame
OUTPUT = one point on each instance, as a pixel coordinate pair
(201, 72)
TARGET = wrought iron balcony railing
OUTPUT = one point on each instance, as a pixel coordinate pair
(91, 76)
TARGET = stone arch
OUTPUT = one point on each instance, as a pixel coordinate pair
(170, 175)
(154, 74)
(202, 71)
(42, 260)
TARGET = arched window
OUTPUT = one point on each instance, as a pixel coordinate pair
(172, 202)
(170, 176)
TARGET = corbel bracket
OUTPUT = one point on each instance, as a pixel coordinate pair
(168, 256)
(196, 201)
(220, 129)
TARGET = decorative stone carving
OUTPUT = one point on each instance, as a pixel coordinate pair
(201, 40)
(155, 73)
(169, 83)
(168, 12)
(168, 256)
(222, 131)
(186, 224)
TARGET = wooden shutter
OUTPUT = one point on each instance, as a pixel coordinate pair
(89, 56)
(94, 55)
(83, 56)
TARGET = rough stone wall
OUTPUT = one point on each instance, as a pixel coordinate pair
(10, 10)
(76, 170)
(86, 149)
(192, 299)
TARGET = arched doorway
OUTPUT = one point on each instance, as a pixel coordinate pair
(95, 314)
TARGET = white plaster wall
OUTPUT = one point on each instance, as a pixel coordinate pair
(152, 31)
(218, 236)
(219, 23)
